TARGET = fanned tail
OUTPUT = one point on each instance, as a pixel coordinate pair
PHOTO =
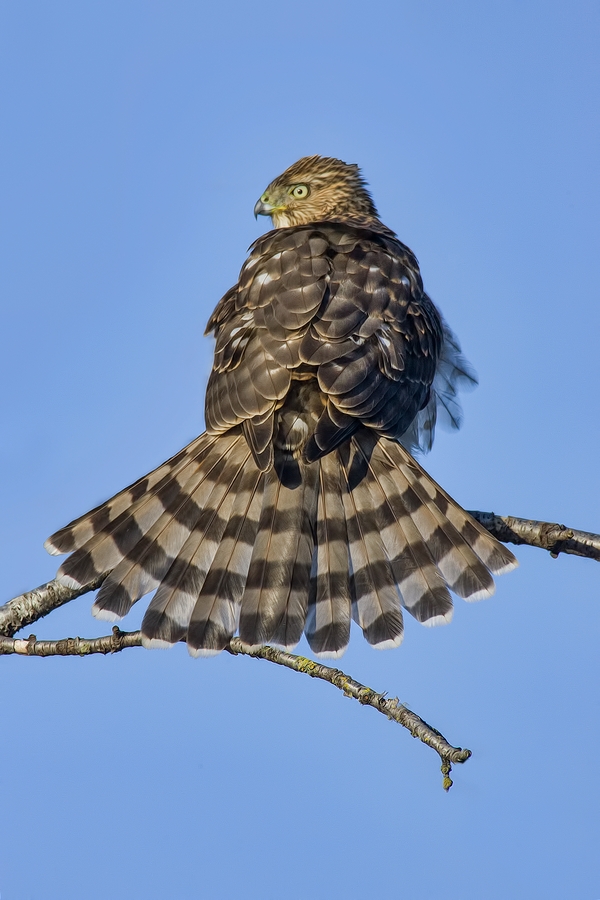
(304, 546)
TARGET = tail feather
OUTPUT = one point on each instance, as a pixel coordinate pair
(83, 529)
(376, 602)
(169, 613)
(462, 570)
(113, 543)
(149, 561)
(330, 600)
(276, 595)
(494, 555)
(434, 538)
(216, 613)
(423, 590)
(106, 549)
(292, 620)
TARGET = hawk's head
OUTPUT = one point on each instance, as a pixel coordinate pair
(316, 189)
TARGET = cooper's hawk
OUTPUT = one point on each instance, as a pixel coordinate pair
(301, 506)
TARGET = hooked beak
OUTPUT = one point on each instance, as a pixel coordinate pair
(263, 209)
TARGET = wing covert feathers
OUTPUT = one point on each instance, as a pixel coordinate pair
(360, 533)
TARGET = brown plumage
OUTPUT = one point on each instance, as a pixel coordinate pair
(301, 506)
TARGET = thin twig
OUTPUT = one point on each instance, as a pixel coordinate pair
(110, 643)
(546, 535)
(390, 707)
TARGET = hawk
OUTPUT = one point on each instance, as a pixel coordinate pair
(301, 507)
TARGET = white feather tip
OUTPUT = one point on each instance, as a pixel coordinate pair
(51, 549)
(155, 643)
(201, 652)
(104, 615)
(434, 621)
(389, 644)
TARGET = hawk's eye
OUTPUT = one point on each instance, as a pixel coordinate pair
(299, 191)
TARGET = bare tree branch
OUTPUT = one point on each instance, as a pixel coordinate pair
(35, 604)
(546, 535)
(390, 707)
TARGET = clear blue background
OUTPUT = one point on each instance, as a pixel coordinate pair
(136, 138)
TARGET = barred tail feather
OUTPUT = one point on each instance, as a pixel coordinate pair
(107, 548)
(276, 595)
(497, 558)
(216, 613)
(462, 570)
(81, 530)
(422, 588)
(376, 601)
(330, 601)
(463, 552)
(111, 543)
(169, 613)
(431, 544)
(149, 561)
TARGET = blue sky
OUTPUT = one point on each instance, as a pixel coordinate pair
(137, 137)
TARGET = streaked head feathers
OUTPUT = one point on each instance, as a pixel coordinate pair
(317, 189)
